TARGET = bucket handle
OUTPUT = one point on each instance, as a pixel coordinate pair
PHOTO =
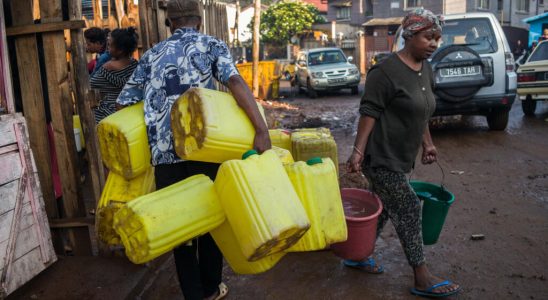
(442, 183)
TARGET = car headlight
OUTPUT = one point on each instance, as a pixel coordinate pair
(353, 71)
(317, 74)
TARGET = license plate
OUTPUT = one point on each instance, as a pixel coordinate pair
(460, 71)
(336, 80)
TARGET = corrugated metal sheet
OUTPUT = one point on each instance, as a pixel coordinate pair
(87, 8)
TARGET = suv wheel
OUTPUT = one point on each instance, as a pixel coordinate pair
(311, 92)
(529, 106)
(354, 90)
(498, 119)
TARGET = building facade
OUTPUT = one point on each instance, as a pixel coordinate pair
(378, 20)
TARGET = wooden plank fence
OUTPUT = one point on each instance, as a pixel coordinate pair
(25, 241)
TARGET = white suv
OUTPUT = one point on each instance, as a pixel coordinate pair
(474, 70)
(325, 69)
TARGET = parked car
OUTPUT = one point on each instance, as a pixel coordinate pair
(474, 69)
(533, 79)
(325, 69)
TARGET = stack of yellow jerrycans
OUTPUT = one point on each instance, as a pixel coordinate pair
(259, 207)
(124, 148)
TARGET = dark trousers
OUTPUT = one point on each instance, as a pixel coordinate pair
(402, 206)
(199, 264)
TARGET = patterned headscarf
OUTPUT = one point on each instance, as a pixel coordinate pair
(420, 19)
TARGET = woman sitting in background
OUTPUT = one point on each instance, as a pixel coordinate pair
(113, 75)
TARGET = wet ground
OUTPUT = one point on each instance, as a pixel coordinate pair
(500, 181)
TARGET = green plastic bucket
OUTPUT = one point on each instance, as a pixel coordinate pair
(436, 202)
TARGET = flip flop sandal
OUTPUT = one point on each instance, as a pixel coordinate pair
(368, 265)
(429, 294)
(223, 291)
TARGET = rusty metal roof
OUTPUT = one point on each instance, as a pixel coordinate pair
(383, 21)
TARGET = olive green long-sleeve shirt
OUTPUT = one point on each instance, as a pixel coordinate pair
(402, 101)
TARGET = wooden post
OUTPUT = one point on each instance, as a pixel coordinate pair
(256, 25)
(82, 90)
(97, 13)
(6, 94)
(151, 23)
(160, 20)
(237, 25)
(143, 22)
(119, 5)
(33, 103)
(61, 113)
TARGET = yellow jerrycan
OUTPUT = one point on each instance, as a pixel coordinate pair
(280, 138)
(314, 142)
(317, 184)
(116, 193)
(124, 143)
(284, 155)
(260, 204)
(209, 126)
(154, 224)
(228, 244)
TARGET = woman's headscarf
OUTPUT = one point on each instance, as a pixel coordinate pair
(418, 20)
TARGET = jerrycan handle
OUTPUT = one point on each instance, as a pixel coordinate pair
(248, 153)
(314, 161)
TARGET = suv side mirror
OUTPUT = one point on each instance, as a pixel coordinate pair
(350, 59)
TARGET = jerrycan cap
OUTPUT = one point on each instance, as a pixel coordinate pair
(248, 153)
(314, 160)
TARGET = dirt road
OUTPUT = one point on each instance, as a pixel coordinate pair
(500, 180)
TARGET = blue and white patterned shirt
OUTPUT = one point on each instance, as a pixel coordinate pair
(186, 59)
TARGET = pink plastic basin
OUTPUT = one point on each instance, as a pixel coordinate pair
(362, 209)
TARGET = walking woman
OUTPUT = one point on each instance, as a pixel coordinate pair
(395, 109)
(111, 77)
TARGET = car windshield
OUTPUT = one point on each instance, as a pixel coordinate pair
(540, 53)
(325, 57)
(475, 33)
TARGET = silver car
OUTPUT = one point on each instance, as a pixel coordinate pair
(325, 69)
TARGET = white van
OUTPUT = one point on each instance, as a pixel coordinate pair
(474, 70)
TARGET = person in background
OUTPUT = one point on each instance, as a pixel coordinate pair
(519, 50)
(395, 109)
(184, 60)
(96, 43)
(111, 77)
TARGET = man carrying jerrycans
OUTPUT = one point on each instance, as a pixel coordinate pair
(188, 59)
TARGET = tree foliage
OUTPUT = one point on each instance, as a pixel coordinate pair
(286, 18)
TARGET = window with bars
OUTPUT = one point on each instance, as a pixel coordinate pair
(483, 4)
(412, 3)
(522, 5)
(343, 13)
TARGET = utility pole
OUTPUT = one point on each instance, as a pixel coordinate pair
(255, 50)
(237, 26)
